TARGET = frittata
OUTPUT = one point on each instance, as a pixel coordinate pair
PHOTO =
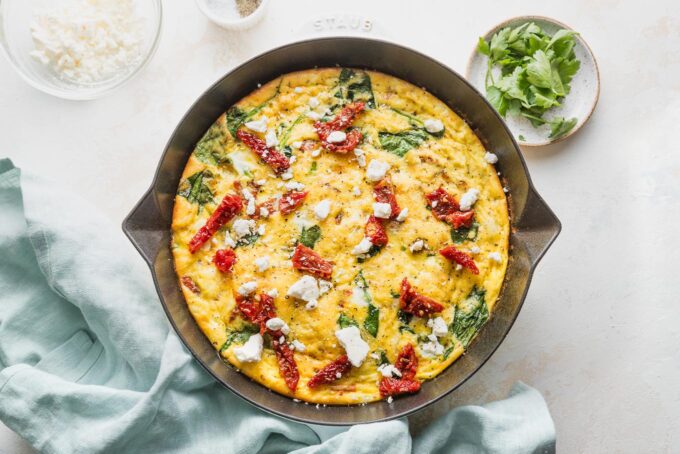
(340, 235)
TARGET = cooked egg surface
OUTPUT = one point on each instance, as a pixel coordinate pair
(401, 127)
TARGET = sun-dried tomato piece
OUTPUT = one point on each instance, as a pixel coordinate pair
(459, 257)
(190, 284)
(341, 122)
(257, 312)
(290, 201)
(383, 192)
(309, 145)
(407, 362)
(274, 159)
(305, 259)
(270, 205)
(287, 365)
(460, 219)
(224, 260)
(414, 303)
(230, 206)
(445, 208)
(375, 231)
(396, 386)
(330, 372)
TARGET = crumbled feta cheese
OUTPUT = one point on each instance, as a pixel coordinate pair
(390, 399)
(228, 240)
(355, 347)
(402, 215)
(276, 324)
(243, 227)
(311, 305)
(297, 89)
(247, 288)
(262, 263)
(438, 325)
(376, 170)
(363, 247)
(338, 375)
(433, 125)
(261, 229)
(358, 297)
(324, 286)
(417, 246)
(294, 186)
(273, 293)
(356, 191)
(336, 137)
(382, 210)
(251, 351)
(388, 370)
(475, 250)
(322, 209)
(297, 144)
(313, 103)
(282, 340)
(316, 152)
(491, 158)
(264, 212)
(287, 175)
(292, 159)
(314, 115)
(495, 256)
(270, 138)
(506, 189)
(257, 125)
(459, 267)
(305, 289)
(250, 199)
(261, 182)
(468, 199)
(431, 349)
(361, 157)
(299, 346)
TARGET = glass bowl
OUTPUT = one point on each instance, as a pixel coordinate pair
(17, 43)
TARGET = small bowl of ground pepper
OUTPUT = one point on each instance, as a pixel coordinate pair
(234, 14)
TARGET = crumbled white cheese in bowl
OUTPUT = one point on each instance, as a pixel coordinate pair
(81, 49)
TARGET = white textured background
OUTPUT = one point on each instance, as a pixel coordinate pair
(599, 334)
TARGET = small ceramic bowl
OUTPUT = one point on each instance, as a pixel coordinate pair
(233, 22)
(579, 103)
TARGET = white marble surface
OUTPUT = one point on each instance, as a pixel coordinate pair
(599, 334)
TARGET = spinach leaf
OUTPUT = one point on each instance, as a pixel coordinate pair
(402, 142)
(310, 236)
(383, 358)
(239, 336)
(448, 351)
(372, 321)
(195, 189)
(236, 116)
(465, 233)
(355, 86)
(416, 122)
(404, 319)
(344, 321)
(211, 148)
(312, 168)
(285, 136)
(470, 316)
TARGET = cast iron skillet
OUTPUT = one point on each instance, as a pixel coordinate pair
(534, 226)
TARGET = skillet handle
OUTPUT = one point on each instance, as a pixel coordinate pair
(538, 226)
(143, 227)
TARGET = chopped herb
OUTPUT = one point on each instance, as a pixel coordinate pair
(462, 234)
(309, 236)
(355, 85)
(406, 328)
(383, 358)
(371, 252)
(405, 318)
(536, 70)
(470, 316)
(313, 168)
(448, 351)
(248, 239)
(402, 142)
(285, 137)
(394, 294)
(521, 137)
(345, 321)
(195, 189)
(417, 122)
(239, 336)
(211, 148)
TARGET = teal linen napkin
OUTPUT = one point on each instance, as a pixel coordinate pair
(88, 362)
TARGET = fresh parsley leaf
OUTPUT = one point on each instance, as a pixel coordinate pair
(469, 316)
(559, 126)
(345, 321)
(309, 236)
(400, 143)
(195, 189)
(483, 47)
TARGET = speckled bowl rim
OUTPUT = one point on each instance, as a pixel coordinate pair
(585, 45)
